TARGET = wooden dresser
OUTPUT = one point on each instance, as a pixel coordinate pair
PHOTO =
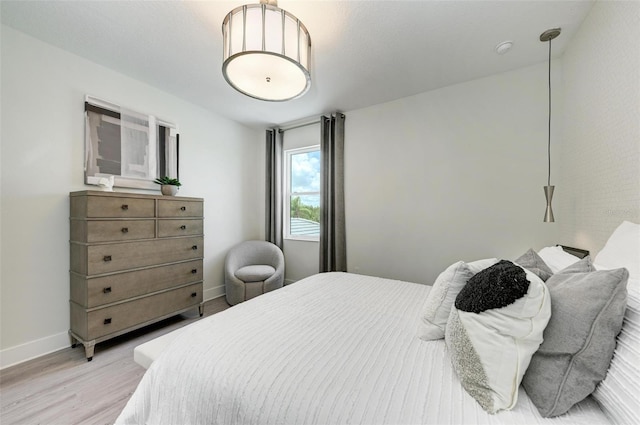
(135, 259)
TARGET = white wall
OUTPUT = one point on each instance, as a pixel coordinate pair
(600, 175)
(457, 173)
(43, 91)
(451, 174)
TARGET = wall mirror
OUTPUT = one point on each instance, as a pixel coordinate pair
(133, 147)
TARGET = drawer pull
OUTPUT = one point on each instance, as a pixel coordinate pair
(183, 227)
(107, 290)
(194, 294)
(107, 258)
(183, 208)
(107, 321)
(195, 247)
(194, 271)
(125, 207)
(125, 230)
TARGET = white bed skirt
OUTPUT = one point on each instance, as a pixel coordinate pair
(335, 348)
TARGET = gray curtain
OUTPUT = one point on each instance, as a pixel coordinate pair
(273, 189)
(333, 246)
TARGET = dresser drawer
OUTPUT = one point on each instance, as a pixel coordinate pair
(93, 292)
(106, 258)
(179, 208)
(104, 321)
(107, 231)
(184, 227)
(111, 207)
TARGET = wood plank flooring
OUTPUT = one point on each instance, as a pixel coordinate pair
(63, 388)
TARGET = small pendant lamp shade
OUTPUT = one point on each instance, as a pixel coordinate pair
(266, 53)
(548, 214)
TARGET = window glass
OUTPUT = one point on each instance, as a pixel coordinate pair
(303, 193)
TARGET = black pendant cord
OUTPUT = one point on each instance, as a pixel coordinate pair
(549, 135)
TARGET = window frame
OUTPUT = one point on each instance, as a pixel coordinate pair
(288, 153)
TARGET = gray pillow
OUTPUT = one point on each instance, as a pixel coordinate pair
(583, 266)
(587, 309)
(531, 261)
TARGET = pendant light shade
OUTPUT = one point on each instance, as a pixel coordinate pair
(548, 214)
(547, 36)
(266, 53)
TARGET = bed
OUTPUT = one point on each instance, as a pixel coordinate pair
(335, 348)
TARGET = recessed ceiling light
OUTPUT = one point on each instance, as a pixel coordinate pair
(504, 47)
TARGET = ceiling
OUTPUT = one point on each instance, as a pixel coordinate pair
(363, 52)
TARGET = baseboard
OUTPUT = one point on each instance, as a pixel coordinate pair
(215, 292)
(30, 350)
(289, 281)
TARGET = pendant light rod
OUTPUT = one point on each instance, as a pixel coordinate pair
(549, 124)
(549, 35)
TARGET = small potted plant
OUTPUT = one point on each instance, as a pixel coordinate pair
(168, 186)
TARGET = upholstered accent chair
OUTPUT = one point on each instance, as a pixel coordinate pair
(252, 268)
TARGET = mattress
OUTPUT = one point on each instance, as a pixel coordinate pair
(335, 348)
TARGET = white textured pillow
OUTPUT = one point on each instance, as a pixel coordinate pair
(435, 312)
(494, 328)
(557, 258)
(436, 309)
(619, 392)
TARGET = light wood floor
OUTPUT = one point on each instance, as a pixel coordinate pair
(63, 388)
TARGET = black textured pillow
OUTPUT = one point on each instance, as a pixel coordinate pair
(494, 287)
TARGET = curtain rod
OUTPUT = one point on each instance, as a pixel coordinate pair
(316, 121)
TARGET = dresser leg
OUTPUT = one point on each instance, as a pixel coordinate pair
(201, 310)
(89, 349)
(74, 341)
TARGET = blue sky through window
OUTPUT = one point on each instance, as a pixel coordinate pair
(305, 176)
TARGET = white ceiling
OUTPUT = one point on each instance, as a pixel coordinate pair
(363, 52)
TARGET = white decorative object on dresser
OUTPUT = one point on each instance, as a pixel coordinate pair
(135, 259)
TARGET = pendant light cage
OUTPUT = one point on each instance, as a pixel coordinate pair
(267, 52)
(547, 36)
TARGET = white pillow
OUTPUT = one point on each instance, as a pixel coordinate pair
(622, 250)
(434, 313)
(557, 258)
(479, 265)
(619, 392)
(436, 309)
(495, 327)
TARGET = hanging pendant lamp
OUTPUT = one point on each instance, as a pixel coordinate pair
(547, 36)
(267, 52)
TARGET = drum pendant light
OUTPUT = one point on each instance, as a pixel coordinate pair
(547, 36)
(266, 53)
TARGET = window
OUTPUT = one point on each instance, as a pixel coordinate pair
(302, 193)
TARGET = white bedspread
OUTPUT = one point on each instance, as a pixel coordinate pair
(335, 348)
